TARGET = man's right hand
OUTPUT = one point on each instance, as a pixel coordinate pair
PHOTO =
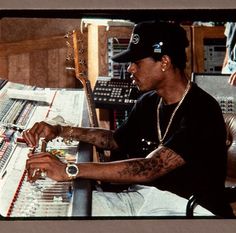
(45, 163)
(40, 130)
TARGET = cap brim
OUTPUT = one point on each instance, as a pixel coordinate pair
(130, 56)
(123, 57)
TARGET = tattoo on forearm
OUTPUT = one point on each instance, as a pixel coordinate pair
(162, 161)
(99, 137)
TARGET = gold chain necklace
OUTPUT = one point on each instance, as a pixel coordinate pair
(161, 139)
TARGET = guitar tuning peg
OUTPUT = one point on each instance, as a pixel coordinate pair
(81, 50)
(68, 34)
(70, 68)
(79, 40)
(83, 74)
(82, 62)
(68, 44)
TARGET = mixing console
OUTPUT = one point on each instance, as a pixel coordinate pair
(20, 107)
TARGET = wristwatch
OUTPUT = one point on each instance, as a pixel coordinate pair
(72, 170)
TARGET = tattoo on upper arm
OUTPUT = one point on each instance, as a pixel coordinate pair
(159, 163)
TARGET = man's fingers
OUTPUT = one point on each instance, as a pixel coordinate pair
(30, 140)
(32, 135)
(40, 165)
(35, 174)
(35, 169)
(232, 79)
(41, 157)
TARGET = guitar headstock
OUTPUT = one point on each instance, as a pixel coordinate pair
(76, 59)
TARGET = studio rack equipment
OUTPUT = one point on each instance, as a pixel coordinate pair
(217, 85)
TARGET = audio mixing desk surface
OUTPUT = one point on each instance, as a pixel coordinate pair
(20, 107)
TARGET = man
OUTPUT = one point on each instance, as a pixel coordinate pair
(229, 64)
(183, 124)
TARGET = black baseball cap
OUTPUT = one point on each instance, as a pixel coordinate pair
(153, 38)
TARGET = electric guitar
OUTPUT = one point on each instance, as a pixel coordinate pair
(80, 68)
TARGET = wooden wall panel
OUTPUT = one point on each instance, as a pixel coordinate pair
(199, 34)
(103, 58)
(104, 34)
(65, 78)
(44, 65)
(53, 67)
(18, 67)
(20, 29)
(38, 68)
(3, 67)
(189, 64)
(33, 51)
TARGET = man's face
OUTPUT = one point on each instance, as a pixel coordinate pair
(146, 73)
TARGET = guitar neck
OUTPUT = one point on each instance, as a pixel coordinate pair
(91, 104)
(80, 73)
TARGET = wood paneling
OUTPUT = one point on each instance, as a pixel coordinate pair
(33, 51)
(53, 67)
(18, 68)
(20, 29)
(3, 67)
(27, 61)
(35, 62)
(104, 34)
(38, 68)
(199, 34)
(189, 51)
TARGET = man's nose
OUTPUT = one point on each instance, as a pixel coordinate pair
(131, 68)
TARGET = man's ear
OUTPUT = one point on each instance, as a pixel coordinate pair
(165, 62)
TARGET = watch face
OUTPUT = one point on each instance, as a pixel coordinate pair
(72, 170)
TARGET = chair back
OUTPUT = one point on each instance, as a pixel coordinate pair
(230, 121)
